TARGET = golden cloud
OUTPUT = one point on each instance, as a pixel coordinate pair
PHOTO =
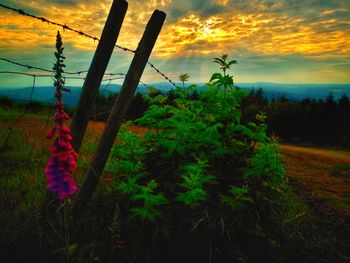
(85, 17)
(264, 33)
(257, 33)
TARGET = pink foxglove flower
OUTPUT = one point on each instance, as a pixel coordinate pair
(61, 165)
(63, 159)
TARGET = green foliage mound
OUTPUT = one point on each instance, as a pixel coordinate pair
(199, 178)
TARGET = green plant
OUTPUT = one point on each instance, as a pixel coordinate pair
(223, 80)
(198, 132)
(199, 158)
(184, 77)
(194, 176)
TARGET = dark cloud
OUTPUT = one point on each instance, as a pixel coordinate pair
(19, 5)
(295, 8)
(182, 8)
(66, 2)
(283, 63)
(62, 2)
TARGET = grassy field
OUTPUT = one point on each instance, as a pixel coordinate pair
(321, 173)
(318, 177)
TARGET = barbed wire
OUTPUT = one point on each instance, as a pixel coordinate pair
(80, 78)
(25, 65)
(68, 28)
(32, 148)
(162, 74)
(32, 91)
(25, 73)
(44, 74)
(5, 146)
(40, 68)
(52, 71)
(10, 128)
(144, 84)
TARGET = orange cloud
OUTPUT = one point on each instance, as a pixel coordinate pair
(263, 34)
(242, 28)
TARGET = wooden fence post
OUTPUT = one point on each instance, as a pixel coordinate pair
(116, 115)
(97, 69)
(92, 82)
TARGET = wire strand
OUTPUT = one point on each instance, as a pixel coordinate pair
(68, 28)
(10, 128)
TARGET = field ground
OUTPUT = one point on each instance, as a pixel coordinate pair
(321, 177)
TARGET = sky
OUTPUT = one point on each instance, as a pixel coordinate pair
(281, 41)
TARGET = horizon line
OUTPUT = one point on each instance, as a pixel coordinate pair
(187, 84)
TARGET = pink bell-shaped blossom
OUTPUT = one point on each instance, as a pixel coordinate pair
(63, 159)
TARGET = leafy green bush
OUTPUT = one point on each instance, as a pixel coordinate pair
(200, 168)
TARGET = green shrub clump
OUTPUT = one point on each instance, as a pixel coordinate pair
(200, 174)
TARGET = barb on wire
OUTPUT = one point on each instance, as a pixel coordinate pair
(25, 65)
(115, 74)
(110, 79)
(68, 28)
(162, 74)
(36, 75)
(73, 78)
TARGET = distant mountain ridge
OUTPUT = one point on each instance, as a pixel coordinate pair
(291, 91)
(299, 91)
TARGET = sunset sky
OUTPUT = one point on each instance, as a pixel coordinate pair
(282, 41)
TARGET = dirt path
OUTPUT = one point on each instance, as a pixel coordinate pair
(319, 176)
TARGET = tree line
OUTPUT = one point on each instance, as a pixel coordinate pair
(324, 122)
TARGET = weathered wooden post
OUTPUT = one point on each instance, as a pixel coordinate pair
(97, 69)
(90, 88)
(116, 115)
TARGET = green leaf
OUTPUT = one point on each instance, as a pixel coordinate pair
(220, 61)
(145, 213)
(232, 62)
(216, 76)
(192, 197)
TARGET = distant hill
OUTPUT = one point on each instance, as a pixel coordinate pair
(292, 91)
(299, 91)
(45, 94)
